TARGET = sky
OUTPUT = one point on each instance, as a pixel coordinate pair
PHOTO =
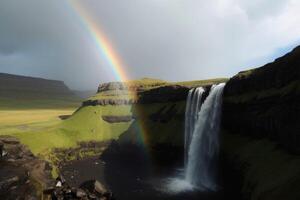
(174, 40)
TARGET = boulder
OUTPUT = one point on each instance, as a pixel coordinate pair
(100, 188)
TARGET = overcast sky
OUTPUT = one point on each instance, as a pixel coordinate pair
(166, 39)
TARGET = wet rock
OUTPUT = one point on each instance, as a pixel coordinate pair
(91, 190)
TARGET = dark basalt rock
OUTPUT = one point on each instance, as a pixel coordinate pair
(164, 115)
(265, 102)
(21, 171)
(90, 190)
(103, 102)
(117, 119)
(64, 117)
(163, 94)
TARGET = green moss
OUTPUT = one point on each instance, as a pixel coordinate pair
(269, 171)
(88, 120)
(246, 73)
(198, 83)
(114, 95)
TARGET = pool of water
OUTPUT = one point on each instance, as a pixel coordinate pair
(136, 179)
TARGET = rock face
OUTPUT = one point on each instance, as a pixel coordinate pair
(111, 86)
(116, 118)
(134, 85)
(265, 102)
(103, 102)
(163, 94)
(22, 175)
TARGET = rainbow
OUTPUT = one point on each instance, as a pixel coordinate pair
(103, 45)
(106, 49)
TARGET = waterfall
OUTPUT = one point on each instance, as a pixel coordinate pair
(193, 106)
(201, 142)
(202, 137)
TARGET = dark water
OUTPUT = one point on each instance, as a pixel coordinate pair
(131, 179)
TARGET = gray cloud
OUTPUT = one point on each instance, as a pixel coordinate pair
(168, 39)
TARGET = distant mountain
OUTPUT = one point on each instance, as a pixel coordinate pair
(22, 91)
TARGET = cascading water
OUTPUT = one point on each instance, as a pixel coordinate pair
(202, 156)
(202, 124)
(191, 116)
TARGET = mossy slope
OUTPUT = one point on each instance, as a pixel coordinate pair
(268, 172)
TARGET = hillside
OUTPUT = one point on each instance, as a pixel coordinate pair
(271, 95)
(261, 141)
(29, 92)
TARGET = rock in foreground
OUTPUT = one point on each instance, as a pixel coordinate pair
(90, 190)
(22, 175)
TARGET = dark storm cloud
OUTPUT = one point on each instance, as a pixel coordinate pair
(42, 38)
(168, 39)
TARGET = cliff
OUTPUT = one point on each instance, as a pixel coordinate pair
(261, 130)
(265, 102)
(145, 91)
